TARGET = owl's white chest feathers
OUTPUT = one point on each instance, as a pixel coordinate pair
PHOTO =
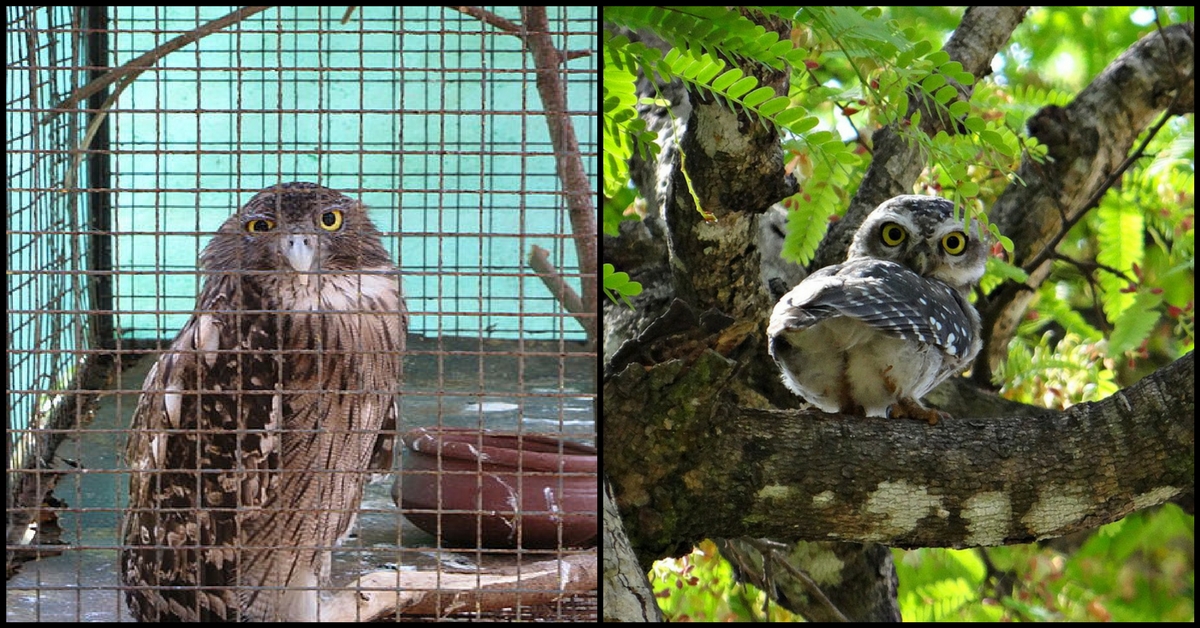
(841, 363)
(341, 311)
(373, 290)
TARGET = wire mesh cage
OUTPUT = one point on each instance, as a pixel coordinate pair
(301, 313)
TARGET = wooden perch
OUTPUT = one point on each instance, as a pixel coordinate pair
(379, 594)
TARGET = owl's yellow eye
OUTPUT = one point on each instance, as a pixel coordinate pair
(261, 225)
(331, 220)
(955, 242)
(892, 234)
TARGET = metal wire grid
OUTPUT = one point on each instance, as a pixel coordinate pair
(73, 377)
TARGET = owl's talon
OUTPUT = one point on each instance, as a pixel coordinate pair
(912, 409)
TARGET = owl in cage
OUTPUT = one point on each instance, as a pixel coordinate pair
(257, 428)
(874, 334)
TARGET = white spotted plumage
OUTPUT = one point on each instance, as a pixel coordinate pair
(876, 333)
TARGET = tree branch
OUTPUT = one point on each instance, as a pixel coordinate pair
(813, 476)
(695, 444)
(1089, 144)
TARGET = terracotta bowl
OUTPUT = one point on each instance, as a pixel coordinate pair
(499, 489)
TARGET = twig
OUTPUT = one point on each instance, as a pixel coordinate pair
(124, 77)
(487, 17)
(136, 66)
(539, 260)
(535, 35)
(770, 553)
(1088, 268)
(513, 28)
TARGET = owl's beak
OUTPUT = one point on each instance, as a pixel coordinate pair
(922, 261)
(300, 253)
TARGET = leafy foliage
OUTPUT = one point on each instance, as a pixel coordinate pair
(616, 283)
(886, 63)
(1122, 572)
(701, 587)
(1119, 301)
(1123, 287)
(707, 32)
(1118, 573)
(623, 129)
(938, 584)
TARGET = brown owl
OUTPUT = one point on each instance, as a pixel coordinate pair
(255, 429)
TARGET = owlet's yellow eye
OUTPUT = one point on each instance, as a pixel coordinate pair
(892, 233)
(331, 220)
(261, 225)
(955, 242)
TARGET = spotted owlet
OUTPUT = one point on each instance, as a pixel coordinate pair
(255, 429)
(874, 334)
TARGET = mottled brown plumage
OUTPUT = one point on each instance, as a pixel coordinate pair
(255, 430)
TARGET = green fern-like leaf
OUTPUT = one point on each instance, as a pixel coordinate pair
(705, 30)
(808, 219)
(939, 600)
(1135, 324)
(1052, 308)
(1120, 228)
(621, 122)
(624, 131)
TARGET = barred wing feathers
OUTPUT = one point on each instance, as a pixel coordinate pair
(250, 444)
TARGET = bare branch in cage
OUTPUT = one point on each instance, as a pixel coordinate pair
(539, 261)
(491, 19)
(513, 28)
(535, 34)
(134, 67)
(567, 158)
(125, 75)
